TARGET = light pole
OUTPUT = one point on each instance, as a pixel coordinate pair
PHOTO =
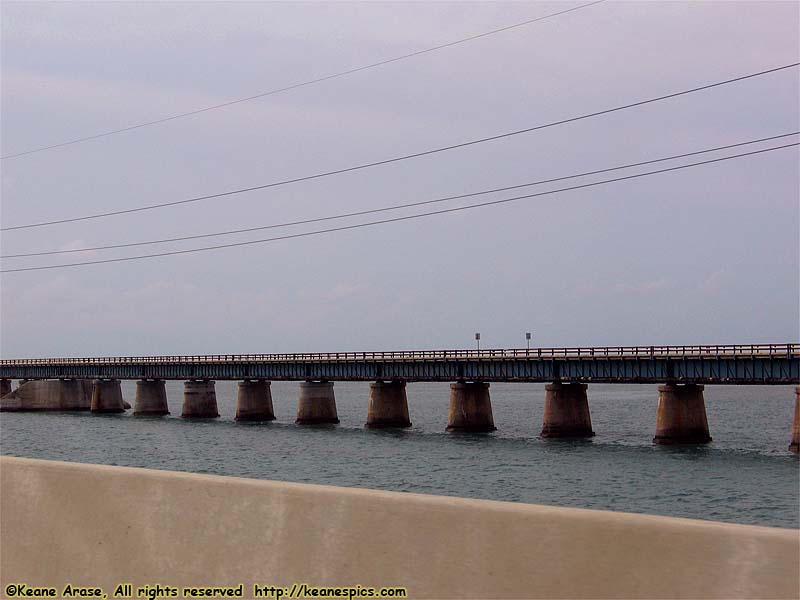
(528, 339)
(478, 340)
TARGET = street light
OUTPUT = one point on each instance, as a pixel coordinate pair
(478, 340)
(528, 339)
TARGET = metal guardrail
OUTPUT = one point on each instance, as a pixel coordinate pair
(619, 352)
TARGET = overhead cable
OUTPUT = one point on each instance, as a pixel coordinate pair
(398, 158)
(297, 85)
(395, 219)
(393, 207)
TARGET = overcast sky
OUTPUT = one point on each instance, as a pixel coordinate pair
(704, 255)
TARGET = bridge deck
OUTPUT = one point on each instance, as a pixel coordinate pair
(709, 364)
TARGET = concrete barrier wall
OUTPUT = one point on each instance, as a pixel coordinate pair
(100, 525)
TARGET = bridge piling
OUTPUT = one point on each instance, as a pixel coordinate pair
(388, 405)
(681, 415)
(254, 401)
(107, 396)
(566, 411)
(87, 389)
(470, 407)
(48, 394)
(199, 399)
(151, 398)
(5, 387)
(795, 445)
(316, 403)
(75, 394)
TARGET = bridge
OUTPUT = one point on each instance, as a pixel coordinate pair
(682, 371)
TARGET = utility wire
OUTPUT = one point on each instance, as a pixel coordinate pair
(399, 158)
(299, 85)
(394, 207)
(395, 219)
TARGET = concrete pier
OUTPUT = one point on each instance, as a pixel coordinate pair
(74, 394)
(151, 398)
(795, 445)
(681, 415)
(316, 403)
(566, 411)
(470, 407)
(199, 400)
(107, 396)
(87, 388)
(69, 393)
(5, 387)
(47, 394)
(254, 401)
(388, 405)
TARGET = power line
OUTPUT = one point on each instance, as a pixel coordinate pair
(395, 219)
(299, 85)
(397, 206)
(399, 158)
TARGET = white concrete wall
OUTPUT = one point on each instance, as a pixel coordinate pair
(101, 525)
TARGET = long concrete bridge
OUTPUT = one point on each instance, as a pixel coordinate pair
(94, 383)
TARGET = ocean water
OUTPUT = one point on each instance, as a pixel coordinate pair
(746, 475)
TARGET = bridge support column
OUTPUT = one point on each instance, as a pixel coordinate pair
(316, 403)
(86, 390)
(470, 407)
(107, 396)
(254, 401)
(388, 405)
(73, 394)
(795, 445)
(199, 400)
(49, 394)
(566, 411)
(5, 387)
(681, 415)
(151, 398)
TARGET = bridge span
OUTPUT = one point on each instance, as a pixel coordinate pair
(682, 371)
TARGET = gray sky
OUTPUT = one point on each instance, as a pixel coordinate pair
(705, 255)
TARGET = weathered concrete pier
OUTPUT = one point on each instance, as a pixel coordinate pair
(254, 401)
(388, 405)
(107, 396)
(470, 407)
(681, 372)
(54, 394)
(151, 398)
(566, 411)
(199, 400)
(681, 415)
(795, 445)
(316, 403)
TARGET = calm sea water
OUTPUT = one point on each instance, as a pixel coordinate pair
(746, 475)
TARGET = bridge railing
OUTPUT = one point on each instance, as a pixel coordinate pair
(692, 351)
